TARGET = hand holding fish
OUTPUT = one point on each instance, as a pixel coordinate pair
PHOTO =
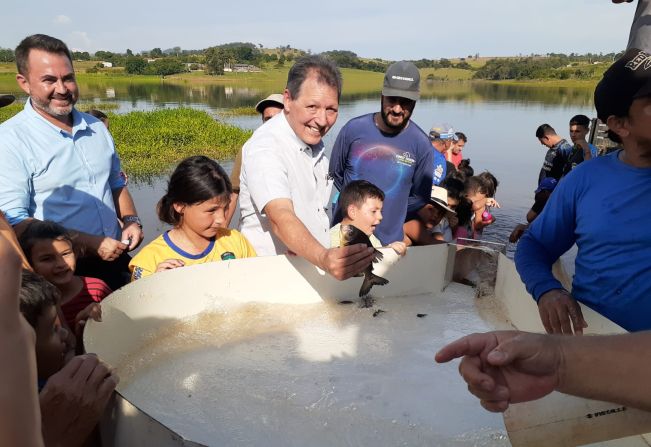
(346, 262)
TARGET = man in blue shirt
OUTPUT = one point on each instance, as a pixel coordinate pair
(389, 150)
(603, 207)
(61, 165)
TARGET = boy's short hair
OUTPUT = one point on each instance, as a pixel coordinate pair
(36, 294)
(356, 193)
(38, 230)
(580, 120)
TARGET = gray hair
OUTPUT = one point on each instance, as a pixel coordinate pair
(325, 70)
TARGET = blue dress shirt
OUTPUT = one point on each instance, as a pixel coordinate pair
(50, 174)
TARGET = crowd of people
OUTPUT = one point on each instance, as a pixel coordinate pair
(68, 222)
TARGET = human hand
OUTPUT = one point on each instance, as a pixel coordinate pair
(506, 367)
(133, 233)
(74, 399)
(517, 233)
(169, 264)
(491, 202)
(559, 312)
(92, 311)
(108, 248)
(346, 262)
(399, 247)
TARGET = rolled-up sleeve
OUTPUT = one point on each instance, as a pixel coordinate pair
(15, 185)
(266, 175)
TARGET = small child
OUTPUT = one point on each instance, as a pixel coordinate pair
(361, 204)
(197, 198)
(38, 304)
(48, 247)
(419, 226)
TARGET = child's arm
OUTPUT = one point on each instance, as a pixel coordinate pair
(169, 264)
(399, 247)
(92, 311)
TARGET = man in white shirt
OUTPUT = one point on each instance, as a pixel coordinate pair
(284, 184)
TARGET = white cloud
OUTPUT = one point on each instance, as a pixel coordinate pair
(79, 40)
(62, 20)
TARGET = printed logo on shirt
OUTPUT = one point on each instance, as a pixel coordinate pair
(438, 173)
(137, 273)
(227, 256)
(405, 159)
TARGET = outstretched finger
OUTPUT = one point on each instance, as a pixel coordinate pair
(473, 344)
(565, 321)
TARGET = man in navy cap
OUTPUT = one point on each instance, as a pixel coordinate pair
(603, 207)
(389, 150)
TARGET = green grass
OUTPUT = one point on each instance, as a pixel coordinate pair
(149, 143)
(239, 111)
(446, 74)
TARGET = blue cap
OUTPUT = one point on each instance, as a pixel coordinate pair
(547, 184)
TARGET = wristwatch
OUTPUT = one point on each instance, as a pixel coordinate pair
(132, 219)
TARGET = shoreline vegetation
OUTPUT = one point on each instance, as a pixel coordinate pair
(150, 142)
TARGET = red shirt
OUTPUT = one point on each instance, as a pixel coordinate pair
(94, 290)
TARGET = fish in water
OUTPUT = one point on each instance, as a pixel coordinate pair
(351, 235)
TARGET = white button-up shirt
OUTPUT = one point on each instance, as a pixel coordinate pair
(276, 164)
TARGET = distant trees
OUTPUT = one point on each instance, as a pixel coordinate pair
(7, 55)
(135, 65)
(348, 59)
(556, 66)
(161, 67)
(232, 53)
(156, 52)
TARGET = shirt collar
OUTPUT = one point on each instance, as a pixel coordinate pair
(78, 121)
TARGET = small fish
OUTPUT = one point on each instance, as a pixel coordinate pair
(351, 235)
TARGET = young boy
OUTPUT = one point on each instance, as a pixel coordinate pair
(38, 304)
(419, 226)
(48, 248)
(361, 204)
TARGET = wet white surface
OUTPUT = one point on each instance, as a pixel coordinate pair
(318, 374)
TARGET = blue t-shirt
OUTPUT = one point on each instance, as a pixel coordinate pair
(594, 151)
(440, 167)
(400, 165)
(603, 206)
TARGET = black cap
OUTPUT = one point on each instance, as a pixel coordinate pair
(627, 79)
(402, 79)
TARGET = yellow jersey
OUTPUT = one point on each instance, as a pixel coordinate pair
(227, 244)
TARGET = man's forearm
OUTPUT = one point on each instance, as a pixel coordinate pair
(289, 229)
(124, 205)
(613, 368)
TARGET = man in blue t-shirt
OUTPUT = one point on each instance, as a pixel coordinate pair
(389, 150)
(603, 207)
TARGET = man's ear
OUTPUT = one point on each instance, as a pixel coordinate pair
(23, 83)
(619, 125)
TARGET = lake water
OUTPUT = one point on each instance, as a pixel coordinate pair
(499, 120)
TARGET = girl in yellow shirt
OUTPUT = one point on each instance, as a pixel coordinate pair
(197, 198)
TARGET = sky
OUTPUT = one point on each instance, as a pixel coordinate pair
(384, 29)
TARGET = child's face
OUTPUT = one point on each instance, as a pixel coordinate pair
(54, 259)
(368, 216)
(52, 348)
(205, 218)
(430, 215)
